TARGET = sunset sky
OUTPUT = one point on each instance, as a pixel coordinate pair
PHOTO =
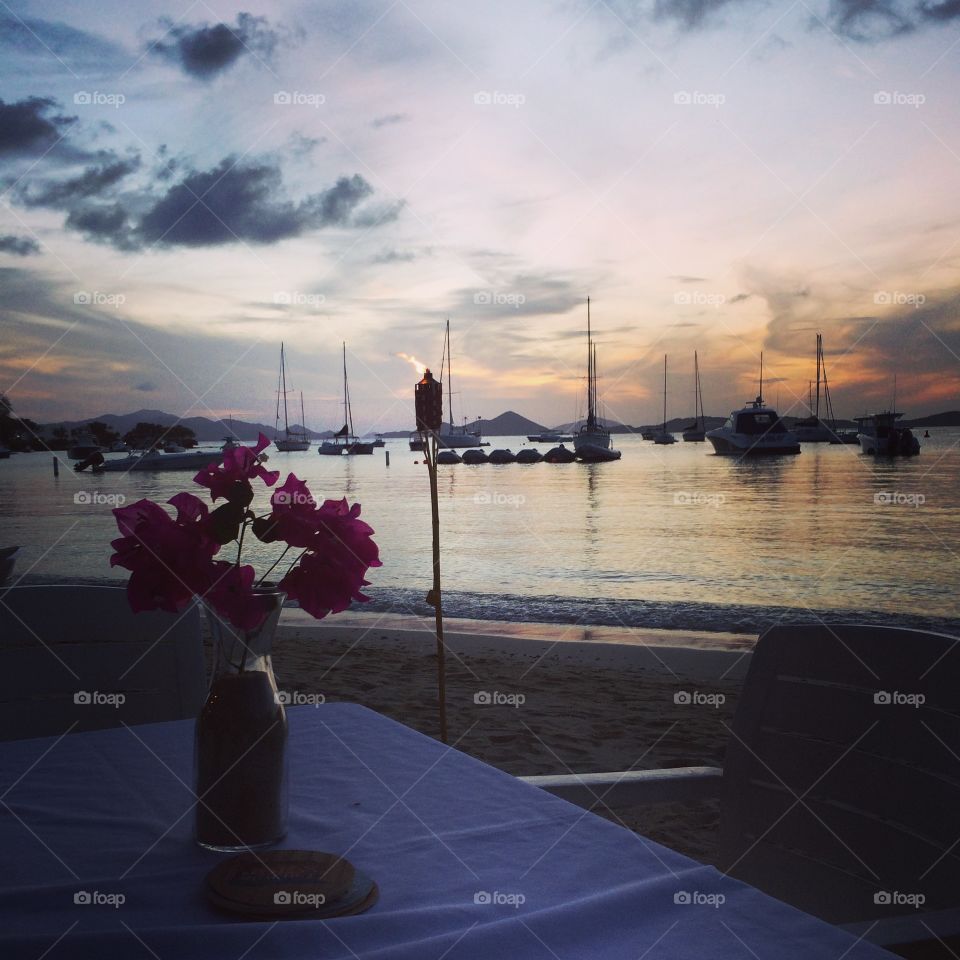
(183, 187)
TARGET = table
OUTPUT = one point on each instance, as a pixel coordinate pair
(471, 862)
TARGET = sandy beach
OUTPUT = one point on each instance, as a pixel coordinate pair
(537, 699)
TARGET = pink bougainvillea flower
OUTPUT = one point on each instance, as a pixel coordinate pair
(295, 517)
(170, 560)
(231, 478)
(330, 574)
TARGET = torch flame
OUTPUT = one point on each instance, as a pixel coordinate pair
(418, 366)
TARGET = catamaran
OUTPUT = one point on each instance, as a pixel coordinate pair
(345, 441)
(697, 431)
(592, 441)
(292, 440)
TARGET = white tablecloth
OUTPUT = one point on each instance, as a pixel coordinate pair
(471, 863)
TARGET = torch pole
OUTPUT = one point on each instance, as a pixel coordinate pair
(430, 446)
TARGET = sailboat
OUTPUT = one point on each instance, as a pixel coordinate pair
(292, 440)
(592, 441)
(812, 429)
(450, 436)
(345, 440)
(661, 436)
(696, 432)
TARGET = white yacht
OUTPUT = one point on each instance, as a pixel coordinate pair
(753, 430)
(292, 441)
(592, 441)
(880, 436)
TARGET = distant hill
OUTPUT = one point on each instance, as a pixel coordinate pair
(510, 424)
(949, 419)
(207, 430)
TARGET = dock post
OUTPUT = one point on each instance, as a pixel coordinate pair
(56, 466)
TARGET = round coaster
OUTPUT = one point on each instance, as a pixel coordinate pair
(290, 884)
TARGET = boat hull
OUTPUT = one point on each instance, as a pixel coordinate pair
(591, 454)
(742, 445)
(160, 462)
(292, 446)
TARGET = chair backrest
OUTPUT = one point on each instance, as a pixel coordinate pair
(76, 658)
(842, 776)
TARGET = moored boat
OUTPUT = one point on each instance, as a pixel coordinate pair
(559, 454)
(696, 432)
(475, 455)
(345, 441)
(754, 430)
(592, 438)
(880, 436)
(502, 456)
(529, 456)
(292, 441)
(449, 457)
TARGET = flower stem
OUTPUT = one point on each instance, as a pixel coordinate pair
(273, 565)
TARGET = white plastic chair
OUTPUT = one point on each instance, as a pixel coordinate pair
(76, 658)
(840, 791)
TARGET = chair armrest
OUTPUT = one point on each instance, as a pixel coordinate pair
(633, 787)
(913, 928)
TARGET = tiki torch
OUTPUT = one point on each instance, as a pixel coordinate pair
(428, 399)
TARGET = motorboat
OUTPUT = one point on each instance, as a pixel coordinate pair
(345, 441)
(696, 432)
(83, 446)
(559, 454)
(292, 441)
(378, 440)
(475, 456)
(551, 436)
(592, 435)
(880, 436)
(529, 456)
(754, 430)
(157, 460)
(449, 457)
(172, 447)
(502, 456)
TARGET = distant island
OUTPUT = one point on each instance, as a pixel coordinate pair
(507, 424)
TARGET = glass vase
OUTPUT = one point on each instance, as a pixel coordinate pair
(240, 748)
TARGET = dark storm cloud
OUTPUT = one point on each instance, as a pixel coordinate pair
(93, 182)
(205, 50)
(20, 246)
(244, 201)
(867, 20)
(943, 12)
(31, 126)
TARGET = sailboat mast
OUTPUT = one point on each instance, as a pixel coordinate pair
(283, 380)
(664, 393)
(449, 379)
(760, 398)
(303, 419)
(347, 416)
(819, 359)
(591, 412)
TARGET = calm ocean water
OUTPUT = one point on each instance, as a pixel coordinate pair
(674, 537)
